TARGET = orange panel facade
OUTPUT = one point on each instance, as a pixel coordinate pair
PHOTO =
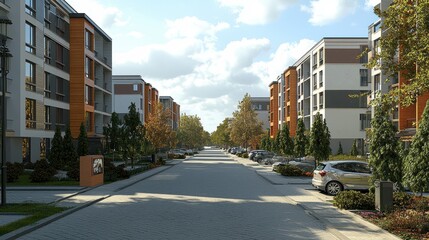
(81, 75)
(291, 112)
(274, 109)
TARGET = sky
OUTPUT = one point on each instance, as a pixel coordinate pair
(207, 54)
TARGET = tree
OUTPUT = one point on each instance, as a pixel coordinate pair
(158, 130)
(277, 143)
(340, 149)
(221, 136)
(245, 124)
(265, 142)
(301, 140)
(82, 141)
(191, 131)
(319, 140)
(354, 150)
(406, 37)
(55, 155)
(69, 152)
(417, 164)
(113, 132)
(286, 142)
(383, 148)
(132, 135)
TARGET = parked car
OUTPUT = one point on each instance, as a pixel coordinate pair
(233, 150)
(306, 165)
(262, 155)
(253, 153)
(335, 176)
(272, 160)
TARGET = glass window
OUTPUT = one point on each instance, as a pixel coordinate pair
(315, 102)
(365, 121)
(48, 50)
(88, 67)
(60, 89)
(321, 56)
(60, 116)
(314, 60)
(60, 56)
(321, 100)
(377, 83)
(321, 79)
(135, 87)
(88, 39)
(48, 118)
(30, 38)
(361, 168)
(30, 7)
(363, 77)
(30, 113)
(88, 95)
(47, 85)
(30, 76)
(314, 81)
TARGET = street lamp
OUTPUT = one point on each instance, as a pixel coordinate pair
(4, 69)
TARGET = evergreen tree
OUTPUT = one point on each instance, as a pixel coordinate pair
(69, 152)
(417, 165)
(383, 148)
(300, 139)
(55, 155)
(82, 141)
(113, 132)
(327, 139)
(354, 150)
(131, 138)
(276, 148)
(287, 146)
(319, 144)
(340, 149)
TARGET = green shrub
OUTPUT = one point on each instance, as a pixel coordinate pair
(355, 200)
(13, 171)
(245, 155)
(121, 172)
(109, 171)
(43, 171)
(401, 200)
(290, 170)
(74, 170)
(160, 161)
(239, 154)
(28, 165)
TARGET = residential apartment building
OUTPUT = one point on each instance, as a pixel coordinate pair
(329, 79)
(150, 100)
(47, 80)
(172, 108)
(129, 89)
(261, 106)
(405, 119)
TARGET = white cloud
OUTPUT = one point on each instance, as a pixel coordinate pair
(192, 27)
(104, 16)
(324, 12)
(135, 34)
(256, 12)
(371, 3)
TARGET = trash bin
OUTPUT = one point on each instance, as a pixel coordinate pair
(383, 196)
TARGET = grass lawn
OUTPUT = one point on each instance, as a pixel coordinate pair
(24, 180)
(35, 212)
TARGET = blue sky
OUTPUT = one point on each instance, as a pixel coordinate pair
(207, 54)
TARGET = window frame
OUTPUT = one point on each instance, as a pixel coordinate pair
(30, 38)
(30, 76)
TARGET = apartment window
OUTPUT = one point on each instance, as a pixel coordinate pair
(315, 102)
(88, 117)
(363, 57)
(377, 83)
(47, 85)
(30, 76)
(48, 50)
(321, 56)
(288, 96)
(46, 14)
(299, 108)
(314, 81)
(88, 39)
(48, 124)
(60, 57)
(88, 67)
(365, 121)
(376, 45)
(135, 87)
(30, 7)
(30, 38)
(321, 100)
(60, 89)
(60, 117)
(377, 26)
(299, 90)
(288, 111)
(315, 61)
(88, 95)
(43, 147)
(321, 79)
(363, 77)
(30, 113)
(61, 25)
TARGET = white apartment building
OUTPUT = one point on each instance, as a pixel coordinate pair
(128, 89)
(328, 75)
(261, 106)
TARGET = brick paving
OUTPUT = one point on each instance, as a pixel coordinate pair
(210, 196)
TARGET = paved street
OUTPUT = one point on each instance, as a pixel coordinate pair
(209, 196)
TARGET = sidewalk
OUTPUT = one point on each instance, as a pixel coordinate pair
(342, 223)
(74, 198)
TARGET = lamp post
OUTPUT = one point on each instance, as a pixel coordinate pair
(4, 69)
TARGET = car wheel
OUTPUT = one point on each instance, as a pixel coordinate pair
(333, 188)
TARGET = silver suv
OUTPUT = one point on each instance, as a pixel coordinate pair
(335, 176)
